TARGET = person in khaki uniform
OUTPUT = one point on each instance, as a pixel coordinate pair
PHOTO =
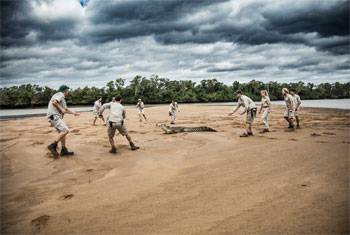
(116, 122)
(173, 108)
(140, 108)
(297, 102)
(97, 107)
(290, 108)
(56, 109)
(249, 109)
(265, 108)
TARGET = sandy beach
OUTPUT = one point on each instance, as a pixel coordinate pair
(280, 182)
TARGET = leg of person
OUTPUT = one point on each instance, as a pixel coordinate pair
(286, 117)
(63, 130)
(64, 150)
(292, 119)
(265, 118)
(111, 132)
(94, 122)
(103, 120)
(296, 118)
(173, 117)
(144, 116)
(124, 132)
(140, 116)
(250, 120)
(61, 125)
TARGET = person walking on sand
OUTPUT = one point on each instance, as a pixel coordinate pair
(173, 108)
(56, 109)
(265, 108)
(97, 107)
(140, 108)
(250, 110)
(297, 103)
(116, 122)
(290, 108)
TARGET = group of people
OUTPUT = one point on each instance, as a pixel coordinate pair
(291, 98)
(57, 108)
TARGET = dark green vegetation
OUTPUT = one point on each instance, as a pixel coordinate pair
(162, 90)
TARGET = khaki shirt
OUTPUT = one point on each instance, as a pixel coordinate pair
(117, 111)
(297, 100)
(246, 102)
(140, 105)
(289, 102)
(173, 108)
(52, 110)
(97, 106)
(265, 102)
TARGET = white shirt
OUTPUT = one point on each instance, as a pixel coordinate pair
(52, 110)
(246, 102)
(173, 107)
(117, 111)
(97, 106)
(140, 105)
(297, 100)
(265, 101)
(289, 102)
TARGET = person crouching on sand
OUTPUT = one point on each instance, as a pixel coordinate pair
(297, 103)
(140, 108)
(249, 108)
(290, 108)
(56, 109)
(97, 107)
(265, 108)
(116, 122)
(173, 108)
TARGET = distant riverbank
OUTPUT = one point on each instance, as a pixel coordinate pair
(32, 112)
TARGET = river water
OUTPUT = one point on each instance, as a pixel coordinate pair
(333, 104)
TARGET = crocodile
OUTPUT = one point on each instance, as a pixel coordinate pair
(179, 129)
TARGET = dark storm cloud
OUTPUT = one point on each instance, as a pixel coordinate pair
(17, 25)
(49, 41)
(255, 23)
(164, 20)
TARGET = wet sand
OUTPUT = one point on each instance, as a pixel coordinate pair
(280, 182)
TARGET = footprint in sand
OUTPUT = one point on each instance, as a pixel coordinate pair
(304, 185)
(293, 139)
(66, 197)
(40, 221)
(75, 131)
(321, 142)
(329, 133)
(37, 143)
(315, 134)
(272, 138)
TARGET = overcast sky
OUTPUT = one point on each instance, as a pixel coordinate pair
(50, 42)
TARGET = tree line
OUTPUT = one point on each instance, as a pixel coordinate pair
(156, 90)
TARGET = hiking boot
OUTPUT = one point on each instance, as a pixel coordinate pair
(250, 133)
(65, 152)
(134, 147)
(264, 131)
(113, 150)
(53, 149)
(244, 135)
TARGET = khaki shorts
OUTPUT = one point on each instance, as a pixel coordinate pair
(57, 122)
(141, 111)
(251, 114)
(113, 126)
(289, 113)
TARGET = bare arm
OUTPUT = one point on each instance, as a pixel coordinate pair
(62, 110)
(105, 106)
(235, 110)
